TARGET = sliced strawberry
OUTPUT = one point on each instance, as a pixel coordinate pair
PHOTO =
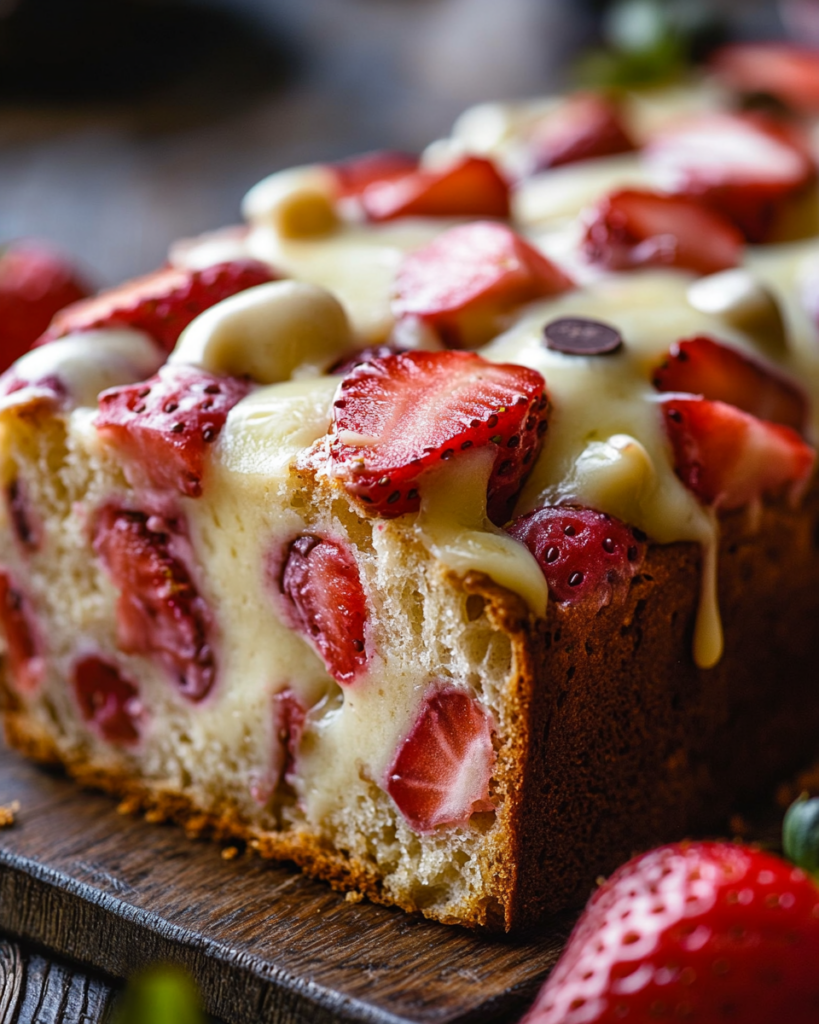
(107, 701)
(35, 283)
(167, 423)
(586, 556)
(637, 228)
(473, 187)
(399, 416)
(720, 372)
(365, 355)
(746, 167)
(728, 457)
(787, 72)
(353, 176)
(159, 610)
(326, 603)
(163, 303)
(583, 126)
(441, 771)
(22, 647)
(289, 715)
(700, 932)
(469, 277)
(23, 519)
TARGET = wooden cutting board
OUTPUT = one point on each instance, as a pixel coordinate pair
(263, 942)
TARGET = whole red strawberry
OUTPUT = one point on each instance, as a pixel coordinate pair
(695, 932)
(35, 282)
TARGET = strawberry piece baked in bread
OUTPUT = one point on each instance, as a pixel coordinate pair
(450, 529)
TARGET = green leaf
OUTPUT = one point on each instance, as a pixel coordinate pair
(160, 995)
(800, 834)
(648, 42)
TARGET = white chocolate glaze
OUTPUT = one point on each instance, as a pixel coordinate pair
(565, 192)
(740, 298)
(267, 430)
(357, 264)
(453, 525)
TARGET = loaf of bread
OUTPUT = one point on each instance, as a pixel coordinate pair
(449, 529)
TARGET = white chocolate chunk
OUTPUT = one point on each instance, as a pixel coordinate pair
(740, 298)
(270, 333)
(87, 363)
(297, 203)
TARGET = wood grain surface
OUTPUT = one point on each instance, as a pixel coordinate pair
(36, 990)
(263, 942)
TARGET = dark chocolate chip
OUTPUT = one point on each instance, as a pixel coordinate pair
(579, 336)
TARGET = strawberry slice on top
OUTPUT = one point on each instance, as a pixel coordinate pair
(163, 303)
(788, 73)
(720, 372)
(587, 557)
(635, 228)
(728, 457)
(745, 166)
(167, 424)
(396, 417)
(581, 127)
(353, 176)
(467, 278)
(471, 187)
(440, 773)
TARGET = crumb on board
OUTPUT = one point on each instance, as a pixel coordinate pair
(130, 805)
(230, 852)
(354, 896)
(8, 813)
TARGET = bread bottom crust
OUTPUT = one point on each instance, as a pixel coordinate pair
(159, 804)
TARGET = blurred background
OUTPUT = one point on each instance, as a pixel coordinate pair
(125, 124)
